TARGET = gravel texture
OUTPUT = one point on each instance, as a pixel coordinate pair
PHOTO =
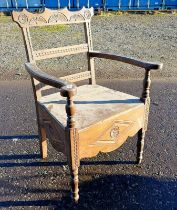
(110, 181)
(149, 37)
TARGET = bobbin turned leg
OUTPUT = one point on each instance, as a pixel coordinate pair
(72, 139)
(146, 99)
(75, 184)
(140, 145)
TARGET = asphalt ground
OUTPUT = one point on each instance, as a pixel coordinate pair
(110, 180)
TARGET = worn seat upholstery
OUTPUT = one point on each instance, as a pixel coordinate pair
(82, 121)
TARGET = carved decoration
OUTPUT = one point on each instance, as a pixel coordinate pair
(61, 51)
(147, 106)
(58, 17)
(111, 134)
(37, 20)
(77, 17)
(76, 148)
(22, 19)
(146, 97)
(77, 77)
(114, 132)
(87, 14)
(28, 19)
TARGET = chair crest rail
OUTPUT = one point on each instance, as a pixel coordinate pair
(52, 17)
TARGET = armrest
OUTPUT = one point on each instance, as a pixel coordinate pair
(43, 77)
(135, 62)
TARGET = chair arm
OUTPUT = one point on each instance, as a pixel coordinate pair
(66, 87)
(135, 62)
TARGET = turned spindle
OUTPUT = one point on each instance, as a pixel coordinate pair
(72, 151)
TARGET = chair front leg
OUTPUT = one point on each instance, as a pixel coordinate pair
(140, 145)
(72, 139)
(146, 99)
(75, 184)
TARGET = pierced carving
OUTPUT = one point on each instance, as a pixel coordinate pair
(58, 17)
(22, 18)
(37, 20)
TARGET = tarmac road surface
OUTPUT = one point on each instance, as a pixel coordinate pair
(109, 181)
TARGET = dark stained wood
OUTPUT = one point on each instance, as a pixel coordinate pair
(41, 76)
(140, 145)
(132, 61)
(82, 121)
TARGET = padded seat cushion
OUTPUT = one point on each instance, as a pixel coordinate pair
(93, 103)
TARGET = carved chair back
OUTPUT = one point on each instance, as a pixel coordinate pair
(26, 20)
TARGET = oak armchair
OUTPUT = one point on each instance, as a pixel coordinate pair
(82, 121)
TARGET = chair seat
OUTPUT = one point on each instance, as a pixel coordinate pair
(94, 103)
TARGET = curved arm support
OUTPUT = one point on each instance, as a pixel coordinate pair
(66, 89)
(43, 77)
(132, 61)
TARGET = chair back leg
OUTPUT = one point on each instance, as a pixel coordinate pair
(43, 143)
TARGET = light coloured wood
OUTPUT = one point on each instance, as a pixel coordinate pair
(77, 77)
(52, 17)
(94, 104)
(60, 51)
(55, 131)
(109, 134)
(72, 138)
(88, 38)
(43, 142)
(82, 121)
